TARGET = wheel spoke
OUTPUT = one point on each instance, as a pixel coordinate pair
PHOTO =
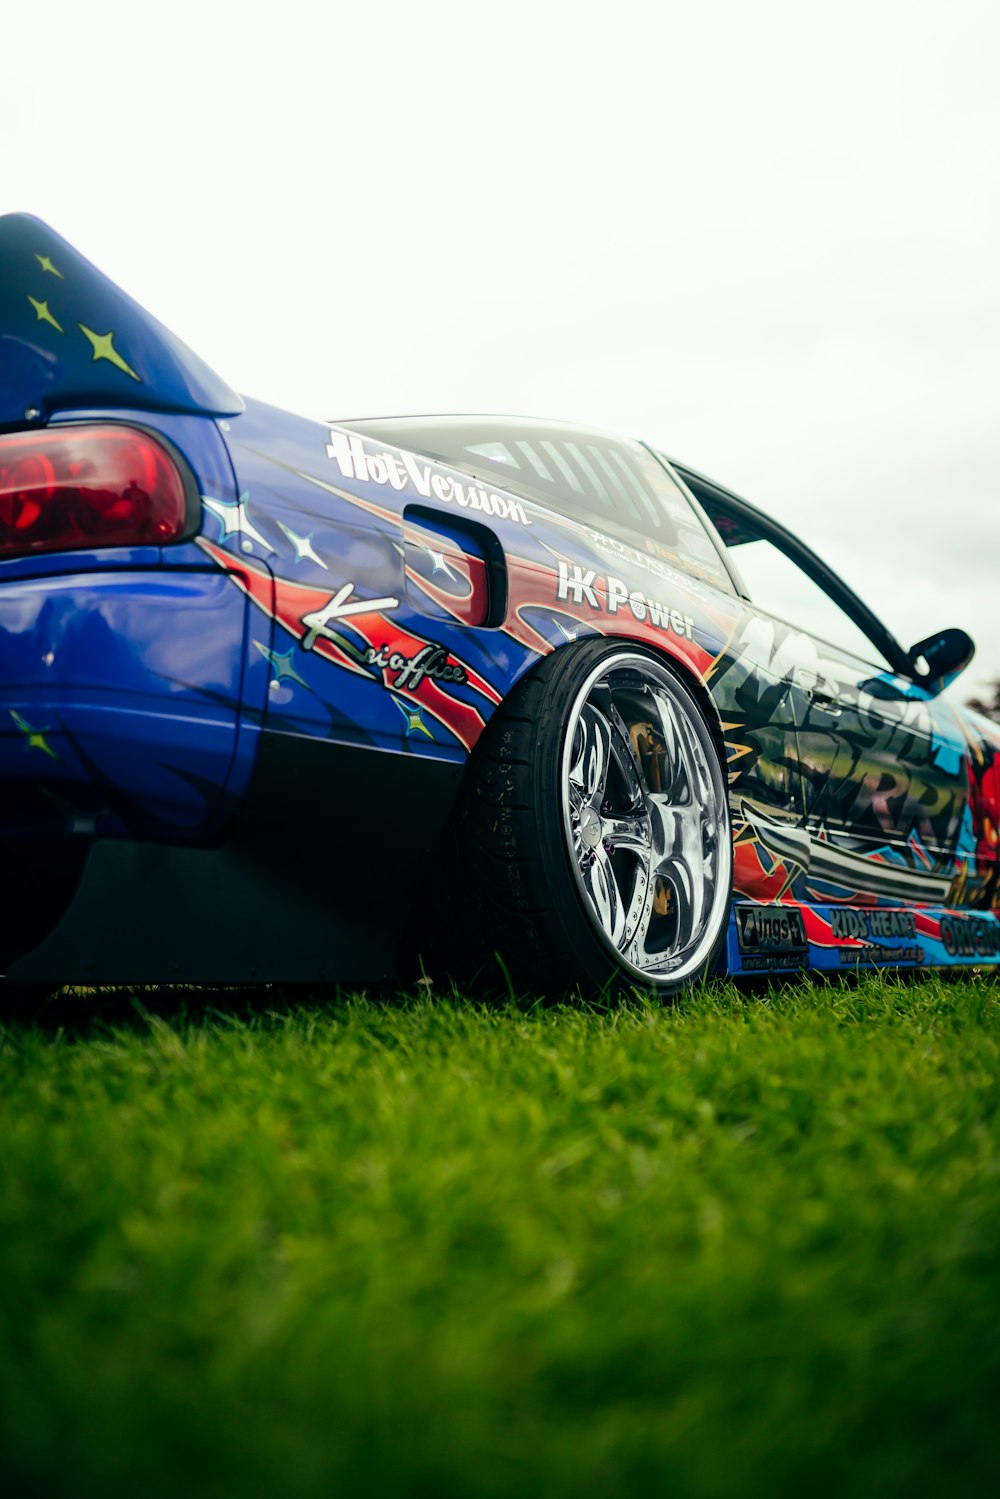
(628, 833)
(589, 772)
(689, 896)
(672, 826)
(602, 887)
(667, 725)
(684, 856)
(626, 759)
(696, 766)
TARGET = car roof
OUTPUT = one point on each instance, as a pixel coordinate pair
(459, 419)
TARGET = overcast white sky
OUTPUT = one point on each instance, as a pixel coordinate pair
(764, 236)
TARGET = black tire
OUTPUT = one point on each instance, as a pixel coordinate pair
(610, 873)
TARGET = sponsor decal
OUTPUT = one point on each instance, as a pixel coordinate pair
(317, 621)
(771, 937)
(677, 568)
(864, 926)
(867, 932)
(432, 661)
(970, 936)
(402, 470)
(609, 595)
(302, 609)
(874, 952)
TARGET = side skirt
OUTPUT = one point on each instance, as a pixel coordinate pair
(787, 937)
(314, 884)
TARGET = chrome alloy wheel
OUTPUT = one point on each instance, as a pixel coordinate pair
(645, 816)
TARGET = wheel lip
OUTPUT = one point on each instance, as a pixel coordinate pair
(715, 923)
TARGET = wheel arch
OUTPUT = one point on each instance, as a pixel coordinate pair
(505, 871)
(674, 661)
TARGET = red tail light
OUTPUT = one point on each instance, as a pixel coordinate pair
(88, 486)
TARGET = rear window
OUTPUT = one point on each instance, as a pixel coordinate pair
(605, 483)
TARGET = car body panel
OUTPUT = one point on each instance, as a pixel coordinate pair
(261, 730)
(70, 338)
(134, 665)
(882, 770)
(122, 697)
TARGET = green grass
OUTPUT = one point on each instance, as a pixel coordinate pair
(421, 1247)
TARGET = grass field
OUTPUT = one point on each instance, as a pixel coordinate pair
(421, 1247)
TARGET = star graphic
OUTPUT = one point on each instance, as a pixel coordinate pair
(35, 737)
(281, 662)
(414, 722)
(234, 518)
(104, 349)
(440, 562)
(46, 265)
(43, 314)
(303, 546)
(227, 512)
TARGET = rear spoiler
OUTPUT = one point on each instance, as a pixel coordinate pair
(72, 340)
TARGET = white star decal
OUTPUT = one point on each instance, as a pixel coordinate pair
(440, 562)
(228, 514)
(303, 546)
(235, 518)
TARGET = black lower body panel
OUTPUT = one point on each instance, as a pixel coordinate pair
(315, 883)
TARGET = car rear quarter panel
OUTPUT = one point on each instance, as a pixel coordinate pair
(128, 690)
(370, 565)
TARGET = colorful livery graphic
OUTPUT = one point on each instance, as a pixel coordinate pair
(287, 701)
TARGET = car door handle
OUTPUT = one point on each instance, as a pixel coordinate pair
(824, 701)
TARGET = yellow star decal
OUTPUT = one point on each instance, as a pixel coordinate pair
(415, 723)
(105, 349)
(46, 265)
(43, 314)
(412, 718)
(35, 737)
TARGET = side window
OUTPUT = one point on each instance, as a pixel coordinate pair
(777, 584)
(616, 485)
(782, 579)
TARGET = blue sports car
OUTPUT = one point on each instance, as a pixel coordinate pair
(284, 701)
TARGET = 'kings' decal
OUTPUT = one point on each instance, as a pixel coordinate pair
(771, 937)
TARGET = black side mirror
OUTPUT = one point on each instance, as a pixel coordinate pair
(937, 661)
